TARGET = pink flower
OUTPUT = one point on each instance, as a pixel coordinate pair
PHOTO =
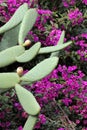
(75, 16)
(42, 118)
(84, 1)
(77, 121)
(12, 2)
(20, 128)
(53, 37)
(67, 3)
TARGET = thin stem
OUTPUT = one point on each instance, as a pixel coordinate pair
(65, 115)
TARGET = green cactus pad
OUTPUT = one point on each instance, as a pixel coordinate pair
(15, 19)
(8, 80)
(27, 100)
(54, 48)
(29, 54)
(30, 123)
(9, 55)
(61, 40)
(41, 70)
(10, 38)
(27, 24)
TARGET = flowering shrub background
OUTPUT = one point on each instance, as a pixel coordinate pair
(62, 95)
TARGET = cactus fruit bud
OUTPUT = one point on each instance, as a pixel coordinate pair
(27, 43)
(20, 71)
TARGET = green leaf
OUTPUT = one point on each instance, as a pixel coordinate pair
(27, 24)
(27, 100)
(15, 19)
(8, 80)
(10, 38)
(30, 123)
(41, 70)
(9, 55)
(29, 54)
(54, 48)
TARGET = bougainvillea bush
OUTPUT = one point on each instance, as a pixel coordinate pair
(62, 95)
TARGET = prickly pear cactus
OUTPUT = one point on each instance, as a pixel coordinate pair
(26, 98)
(14, 50)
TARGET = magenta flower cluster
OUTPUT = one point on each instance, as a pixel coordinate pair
(41, 121)
(67, 83)
(75, 16)
(12, 6)
(67, 3)
(81, 44)
(84, 1)
(44, 16)
(53, 37)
